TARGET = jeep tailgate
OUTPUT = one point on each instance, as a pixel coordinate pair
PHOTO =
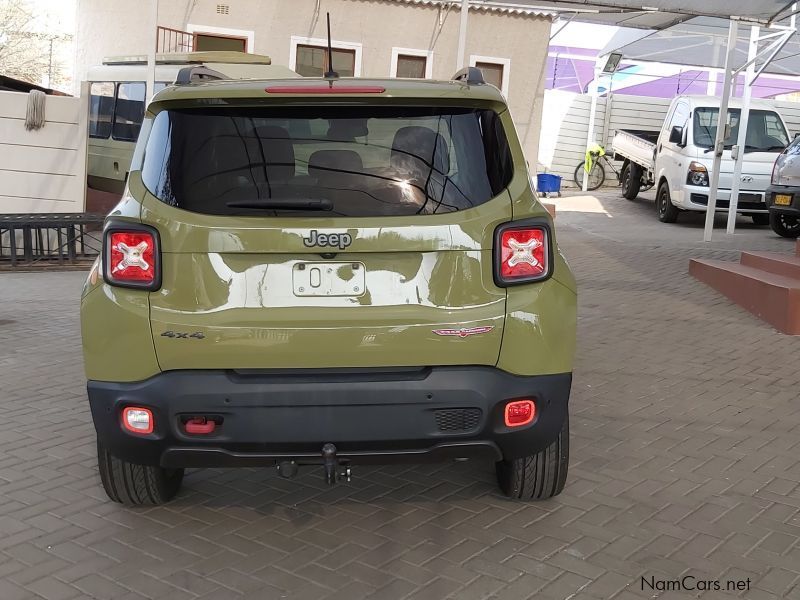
(241, 305)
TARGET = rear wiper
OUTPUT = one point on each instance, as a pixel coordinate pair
(322, 204)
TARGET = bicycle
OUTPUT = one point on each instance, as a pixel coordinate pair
(597, 173)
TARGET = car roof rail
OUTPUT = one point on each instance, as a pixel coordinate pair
(470, 76)
(197, 73)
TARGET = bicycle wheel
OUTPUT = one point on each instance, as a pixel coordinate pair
(596, 176)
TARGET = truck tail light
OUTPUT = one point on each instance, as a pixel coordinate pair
(132, 257)
(522, 253)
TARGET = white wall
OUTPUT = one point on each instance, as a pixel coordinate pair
(43, 171)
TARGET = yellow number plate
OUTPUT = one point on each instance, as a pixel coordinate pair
(783, 199)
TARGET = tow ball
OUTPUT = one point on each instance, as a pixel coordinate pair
(330, 462)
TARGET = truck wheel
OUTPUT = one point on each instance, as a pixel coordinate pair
(667, 211)
(760, 219)
(136, 485)
(784, 225)
(631, 180)
(538, 476)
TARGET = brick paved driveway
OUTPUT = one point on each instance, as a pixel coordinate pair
(686, 460)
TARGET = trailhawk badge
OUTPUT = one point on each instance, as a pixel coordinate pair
(464, 331)
(335, 240)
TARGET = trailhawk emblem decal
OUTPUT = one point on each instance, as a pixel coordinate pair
(336, 240)
(464, 331)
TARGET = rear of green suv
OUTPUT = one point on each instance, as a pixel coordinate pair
(328, 272)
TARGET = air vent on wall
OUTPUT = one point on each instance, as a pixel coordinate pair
(223, 9)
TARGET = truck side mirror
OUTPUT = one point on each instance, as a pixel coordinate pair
(676, 135)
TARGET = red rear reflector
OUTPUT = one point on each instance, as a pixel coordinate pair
(523, 254)
(520, 412)
(132, 256)
(137, 420)
(324, 89)
(200, 426)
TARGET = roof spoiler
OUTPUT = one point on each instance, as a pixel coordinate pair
(197, 73)
(470, 76)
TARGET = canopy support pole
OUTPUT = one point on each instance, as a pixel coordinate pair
(722, 119)
(592, 118)
(462, 35)
(744, 120)
(152, 45)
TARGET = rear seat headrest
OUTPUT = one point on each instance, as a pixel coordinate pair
(416, 149)
(331, 164)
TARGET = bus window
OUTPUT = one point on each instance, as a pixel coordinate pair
(129, 111)
(101, 108)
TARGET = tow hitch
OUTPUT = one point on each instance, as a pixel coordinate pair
(330, 462)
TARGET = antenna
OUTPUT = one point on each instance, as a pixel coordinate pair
(330, 73)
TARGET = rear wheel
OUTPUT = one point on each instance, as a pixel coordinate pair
(538, 476)
(596, 176)
(631, 180)
(784, 225)
(667, 211)
(135, 485)
(760, 219)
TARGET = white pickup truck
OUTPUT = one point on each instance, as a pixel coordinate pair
(679, 158)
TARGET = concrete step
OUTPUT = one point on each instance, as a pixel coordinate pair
(771, 297)
(787, 265)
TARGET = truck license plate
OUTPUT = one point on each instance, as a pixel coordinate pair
(329, 279)
(783, 199)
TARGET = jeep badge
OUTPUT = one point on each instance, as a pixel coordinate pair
(335, 240)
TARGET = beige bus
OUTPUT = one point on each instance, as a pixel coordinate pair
(117, 103)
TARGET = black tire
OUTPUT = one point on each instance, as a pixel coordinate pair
(539, 476)
(597, 175)
(784, 225)
(631, 180)
(136, 485)
(667, 211)
(760, 219)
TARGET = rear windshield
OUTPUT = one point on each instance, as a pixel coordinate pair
(337, 161)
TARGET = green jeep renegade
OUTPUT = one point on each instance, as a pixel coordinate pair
(330, 272)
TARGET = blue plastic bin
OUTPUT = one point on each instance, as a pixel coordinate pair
(547, 183)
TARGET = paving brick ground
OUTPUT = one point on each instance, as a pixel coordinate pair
(685, 450)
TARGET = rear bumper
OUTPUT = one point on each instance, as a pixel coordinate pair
(792, 209)
(372, 416)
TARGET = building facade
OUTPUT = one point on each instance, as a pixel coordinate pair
(371, 38)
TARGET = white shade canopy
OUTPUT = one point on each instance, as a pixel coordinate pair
(698, 42)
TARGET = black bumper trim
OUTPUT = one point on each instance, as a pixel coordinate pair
(217, 457)
(375, 416)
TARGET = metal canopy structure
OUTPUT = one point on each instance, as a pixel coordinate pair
(656, 14)
(697, 43)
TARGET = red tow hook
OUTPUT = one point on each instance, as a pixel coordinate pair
(200, 426)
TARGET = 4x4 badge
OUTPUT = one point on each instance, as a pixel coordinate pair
(184, 335)
(464, 331)
(337, 240)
